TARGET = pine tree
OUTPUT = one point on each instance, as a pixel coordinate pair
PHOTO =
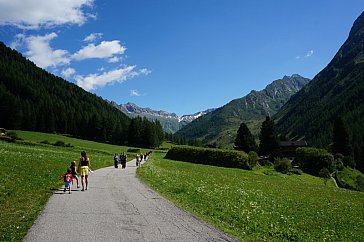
(341, 142)
(268, 137)
(244, 139)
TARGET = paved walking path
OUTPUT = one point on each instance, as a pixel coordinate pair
(118, 207)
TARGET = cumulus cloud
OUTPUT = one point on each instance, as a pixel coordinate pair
(106, 49)
(134, 93)
(33, 14)
(41, 53)
(68, 72)
(93, 81)
(92, 37)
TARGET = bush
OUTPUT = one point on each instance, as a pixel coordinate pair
(312, 160)
(282, 165)
(46, 142)
(253, 159)
(13, 136)
(265, 162)
(325, 174)
(351, 179)
(209, 156)
(296, 171)
(62, 144)
(133, 150)
(7, 139)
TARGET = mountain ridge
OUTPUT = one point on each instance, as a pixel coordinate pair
(219, 127)
(170, 122)
(335, 91)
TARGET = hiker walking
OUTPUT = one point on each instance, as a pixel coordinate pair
(74, 172)
(123, 158)
(67, 178)
(84, 166)
(116, 161)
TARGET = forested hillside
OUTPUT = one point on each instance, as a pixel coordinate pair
(220, 126)
(33, 99)
(337, 91)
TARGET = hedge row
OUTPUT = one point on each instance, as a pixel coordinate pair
(209, 156)
(312, 160)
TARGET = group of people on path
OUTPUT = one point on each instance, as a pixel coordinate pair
(83, 168)
(123, 158)
(140, 157)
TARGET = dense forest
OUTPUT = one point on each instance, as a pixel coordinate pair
(337, 91)
(33, 99)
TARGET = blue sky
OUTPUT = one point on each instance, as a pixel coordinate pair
(179, 56)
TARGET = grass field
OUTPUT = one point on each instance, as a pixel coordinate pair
(253, 206)
(30, 174)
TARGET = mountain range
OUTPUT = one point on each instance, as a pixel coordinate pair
(336, 91)
(170, 122)
(219, 127)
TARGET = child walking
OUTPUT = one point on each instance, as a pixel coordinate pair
(74, 172)
(68, 178)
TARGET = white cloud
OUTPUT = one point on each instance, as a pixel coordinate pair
(310, 53)
(41, 53)
(94, 81)
(114, 59)
(33, 14)
(92, 37)
(134, 93)
(106, 49)
(19, 40)
(68, 72)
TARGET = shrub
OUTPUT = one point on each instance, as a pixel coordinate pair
(6, 138)
(325, 174)
(351, 179)
(45, 142)
(360, 183)
(312, 160)
(133, 150)
(252, 159)
(13, 136)
(62, 144)
(209, 156)
(282, 165)
(296, 171)
(265, 162)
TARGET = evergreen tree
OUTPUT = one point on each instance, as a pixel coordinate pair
(341, 141)
(268, 137)
(244, 139)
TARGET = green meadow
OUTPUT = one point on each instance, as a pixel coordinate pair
(30, 173)
(259, 205)
(250, 205)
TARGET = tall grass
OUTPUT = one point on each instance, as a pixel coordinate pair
(254, 206)
(30, 173)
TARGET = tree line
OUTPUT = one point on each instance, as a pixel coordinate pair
(35, 100)
(269, 141)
